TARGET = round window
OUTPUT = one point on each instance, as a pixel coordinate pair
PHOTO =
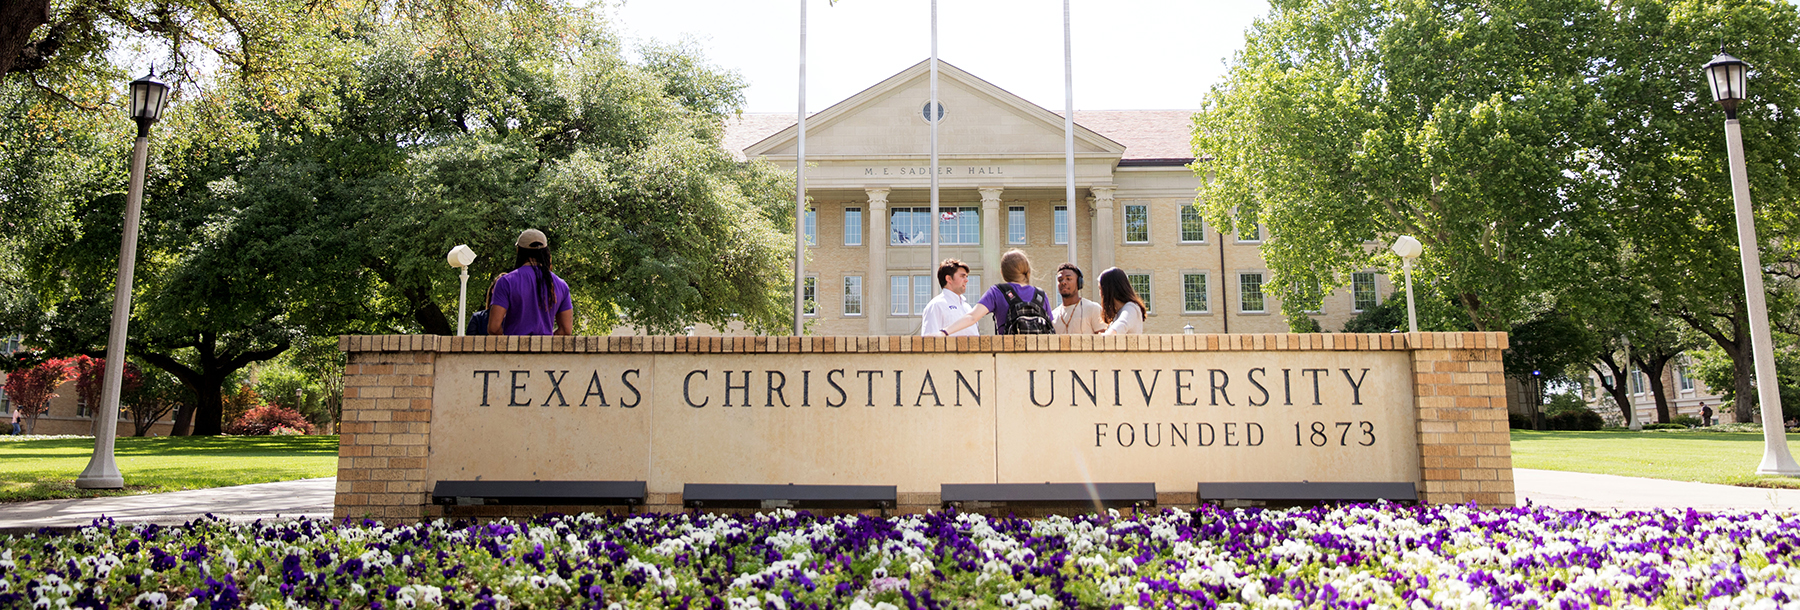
(925, 111)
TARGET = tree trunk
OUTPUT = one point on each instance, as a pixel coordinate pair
(209, 410)
(18, 19)
(184, 420)
(1743, 388)
(1617, 389)
(1653, 368)
(205, 380)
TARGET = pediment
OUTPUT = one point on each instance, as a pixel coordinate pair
(888, 120)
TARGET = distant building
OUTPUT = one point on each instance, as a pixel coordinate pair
(68, 414)
(1002, 186)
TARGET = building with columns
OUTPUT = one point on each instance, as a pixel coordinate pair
(1002, 186)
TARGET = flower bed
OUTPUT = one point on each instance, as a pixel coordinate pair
(1377, 556)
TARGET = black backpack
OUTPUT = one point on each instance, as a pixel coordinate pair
(1024, 317)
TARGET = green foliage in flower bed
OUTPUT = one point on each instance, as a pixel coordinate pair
(40, 469)
(1728, 458)
(1348, 557)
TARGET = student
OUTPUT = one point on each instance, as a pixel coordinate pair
(1120, 306)
(1019, 308)
(1076, 316)
(948, 306)
(530, 299)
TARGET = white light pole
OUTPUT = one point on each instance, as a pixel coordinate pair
(1727, 76)
(460, 257)
(1409, 250)
(800, 192)
(102, 472)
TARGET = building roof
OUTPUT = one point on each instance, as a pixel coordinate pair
(1149, 136)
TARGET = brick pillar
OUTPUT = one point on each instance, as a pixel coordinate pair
(1465, 448)
(385, 435)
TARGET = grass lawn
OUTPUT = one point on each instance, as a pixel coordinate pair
(1728, 458)
(46, 469)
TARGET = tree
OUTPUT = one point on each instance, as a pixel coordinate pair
(1541, 351)
(1349, 121)
(90, 377)
(1715, 368)
(1665, 164)
(31, 389)
(154, 399)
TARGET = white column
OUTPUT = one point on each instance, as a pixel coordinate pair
(1103, 233)
(990, 234)
(875, 282)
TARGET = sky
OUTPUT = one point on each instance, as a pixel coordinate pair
(1128, 54)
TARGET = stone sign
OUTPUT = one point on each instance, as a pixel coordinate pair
(917, 413)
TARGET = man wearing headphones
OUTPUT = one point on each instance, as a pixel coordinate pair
(1076, 316)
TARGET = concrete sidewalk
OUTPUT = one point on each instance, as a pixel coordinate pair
(286, 499)
(313, 497)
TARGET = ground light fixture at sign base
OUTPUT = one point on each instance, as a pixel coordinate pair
(1409, 250)
(1728, 77)
(460, 257)
(147, 98)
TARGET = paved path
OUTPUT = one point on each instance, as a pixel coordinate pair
(312, 498)
(302, 498)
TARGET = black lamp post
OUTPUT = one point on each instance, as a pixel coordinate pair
(1728, 77)
(147, 100)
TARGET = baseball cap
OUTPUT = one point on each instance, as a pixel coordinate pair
(533, 238)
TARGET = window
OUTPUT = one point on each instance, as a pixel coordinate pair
(1637, 381)
(1193, 228)
(1194, 294)
(10, 347)
(853, 295)
(958, 226)
(1137, 224)
(1681, 377)
(81, 408)
(908, 294)
(899, 294)
(810, 296)
(853, 226)
(924, 286)
(1606, 381)
(1062, 224)
(1362, 290)
(5, 406)
(1015, 224)
(1250, 293)
(1253, 233)
(1141, 283)
(812, 227)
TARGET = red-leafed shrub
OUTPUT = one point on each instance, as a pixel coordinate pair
(265, 420)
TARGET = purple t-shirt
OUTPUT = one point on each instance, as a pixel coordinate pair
(995, 301)
(526, 314)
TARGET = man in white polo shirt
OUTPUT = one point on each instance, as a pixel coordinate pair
(948, 306)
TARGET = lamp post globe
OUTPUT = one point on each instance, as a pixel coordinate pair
(147, 97)
(1729, 79)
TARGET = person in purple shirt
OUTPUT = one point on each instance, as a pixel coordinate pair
(1015, 268)
(530, 300)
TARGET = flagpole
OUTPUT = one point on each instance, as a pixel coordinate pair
(1069, 133)
(932, 117)
(800, 193)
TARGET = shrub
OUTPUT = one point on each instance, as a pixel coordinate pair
(1664, 427)
(1517, 421)
(1687, 420)
(1575, 419)
(266, 419)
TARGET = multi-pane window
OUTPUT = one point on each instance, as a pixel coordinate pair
(909, 294)
(1637, 381)
(1682, 377)
(853, 226)
(1193, 227)
(1062, 224)
(1137, 224)
(812, 227)
(1015, 224)
(1250, 292)
(81, 408)
(958, 226)
(10, 347)
(975, 289)
(1250, 232)
(1140, 282)
(1193, 293)
(852, 295)
(810, 296)
(1362, 289)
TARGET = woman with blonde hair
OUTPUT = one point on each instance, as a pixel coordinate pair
(1019, 307)
(1120, 306)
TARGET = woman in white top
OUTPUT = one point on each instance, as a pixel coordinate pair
(1120, 307)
